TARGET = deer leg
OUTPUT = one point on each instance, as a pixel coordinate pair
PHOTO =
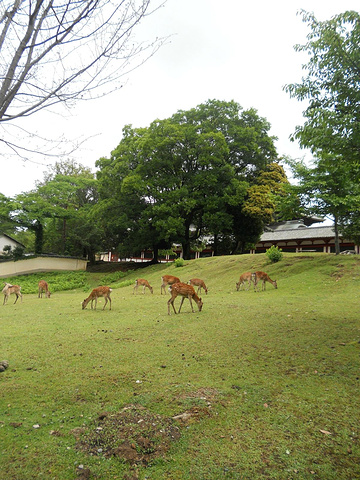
(190, 300)
(17, 296)
(171, 302)
(106, 300)
(182, 301)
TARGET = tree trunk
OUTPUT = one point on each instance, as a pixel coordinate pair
(63, 236)
(215, 244)
(91, 256)
(337, 241)
(186, 242)
(239, 248)
(155, 258)
(39, 237)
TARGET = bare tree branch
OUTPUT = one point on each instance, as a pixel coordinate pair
(55, 51)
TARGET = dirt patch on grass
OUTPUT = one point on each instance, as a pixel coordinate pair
(133, 435)
(205, 393)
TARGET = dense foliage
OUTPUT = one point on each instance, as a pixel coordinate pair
(195, 174)
(331, 89)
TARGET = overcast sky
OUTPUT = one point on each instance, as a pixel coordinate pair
(228, 50)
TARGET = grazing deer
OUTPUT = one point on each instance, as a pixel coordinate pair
(184, 290)
(197, 282)
(9, 290)
(263, 277)
(43, 287)
(245, 277)
(95, 294)
(168, 280)
(144, 283)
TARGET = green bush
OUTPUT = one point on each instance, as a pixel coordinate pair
(112, 277)
(274, 254)
(58, 281)
(179, 262)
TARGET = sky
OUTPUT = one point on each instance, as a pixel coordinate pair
(228, 50)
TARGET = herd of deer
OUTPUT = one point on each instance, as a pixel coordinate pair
(175, 287)
(16, 289)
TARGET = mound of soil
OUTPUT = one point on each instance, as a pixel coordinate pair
(134, 435)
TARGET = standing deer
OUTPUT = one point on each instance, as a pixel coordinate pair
(95, 294)
(263, 277)
(43, 287)
(197, 282)
(184, 290)
(245, 277)
(9, 290)
(168, 280)
(144, 283)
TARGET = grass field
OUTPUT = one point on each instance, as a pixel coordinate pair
(265, 385)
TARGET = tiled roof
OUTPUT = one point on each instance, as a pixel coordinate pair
(298, 234)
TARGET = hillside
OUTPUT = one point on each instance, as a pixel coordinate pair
(255, 386)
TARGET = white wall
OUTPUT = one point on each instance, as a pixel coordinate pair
(7, 241)
(41, 264)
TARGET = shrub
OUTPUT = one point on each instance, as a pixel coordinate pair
(179, 262)
(274, 254)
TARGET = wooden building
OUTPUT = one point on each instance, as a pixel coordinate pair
(295, 236)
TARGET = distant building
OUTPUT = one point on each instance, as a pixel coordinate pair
(296, 236)
(5, 240)
(291, 236)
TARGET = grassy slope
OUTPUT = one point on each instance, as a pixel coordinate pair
(277, 369)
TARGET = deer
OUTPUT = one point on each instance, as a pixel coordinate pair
(144, 283)
(9, 290)
(197, 282)
(264, 277)
(184, 290)
(43, 287)
(168, 280)
(95, 294)
(245, 277)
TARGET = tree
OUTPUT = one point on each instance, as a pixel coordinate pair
(6, 223)
(259, 207)
(182, 173)
(327, 190)
(60, 212)
(332, 126)
(70, 191)
(29, 211)
(331, 88)
(56, 52)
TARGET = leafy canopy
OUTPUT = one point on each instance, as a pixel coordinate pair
(183, 177)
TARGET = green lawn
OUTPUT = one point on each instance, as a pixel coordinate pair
(268, 382)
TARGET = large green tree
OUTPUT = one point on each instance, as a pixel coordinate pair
(326, 190)
(7, 225)
(174, 181)
(59, 211)
(331, 89)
